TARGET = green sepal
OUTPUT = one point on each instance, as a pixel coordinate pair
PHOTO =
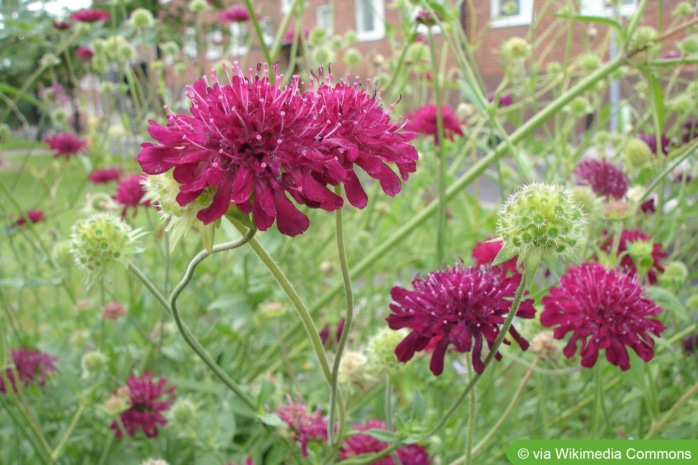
(504, 255)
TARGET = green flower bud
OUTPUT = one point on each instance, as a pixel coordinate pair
(100, 46)
(272, 311)
(540, 222)
(644, 37)
(59, 116)
(579, 106)
(49, 60)
(62, 256)
(170, 49)
(553, 68)
(180, 69)
(350, 37)
(683, 9)
(682, 103)
(675, 273)
(197, 6)
(141, 19)
(637, 154)
(689, 45)
(336, 43)
(127, 52)
(381, 350)
(79, 338)
(617, 210)
(515, 48)
(586, 199)
(417, 52)
(92, 363)
(323, 55)
(590, 62)
(118, 402)
(183, 412)
(100, 240)
(352, 57)
(317, 37)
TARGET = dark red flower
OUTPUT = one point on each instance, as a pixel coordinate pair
(360, 444)
(105, 175)
(603, 177)
(325, 333)
(426, 18)
(148, 400)
(84, 54)
(66, 144)
(505, 100)
(424, 120)
(304, 424)
(604, 310)
(648, 206)
(689, 130)
(690, 344)
(627, 237)
(253, 143)
(33, 366)
(90, 16)
(61, 25)
(130, 192)
(34, 217)
(651, 141)
(234, 14)
(459, 306)
(484, 254)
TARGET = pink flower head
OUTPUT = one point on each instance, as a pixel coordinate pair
(484, 254)
(651, 141)
(34, 217)
(603, 177)
(459, 306)
(66, 144)
(325, 333)
(689, 130)
(84, 54)
(360, 444)
(426, 18)
(61, 25)
(33, 366)
(105, 175)
(130, 192)
(424, 120)
(627, 237)
(503, 101)
(291, 35)
(148, 400)
(690, 344)
(304, 425)
(90, 16)
(255, 143)
(604, 310)
(648, 206)
(234, 14)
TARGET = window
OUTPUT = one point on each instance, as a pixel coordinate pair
(267, 31)
(423, 29)
(369, 19)
(323, 18)
(189, 40)
(506, 13)
(605, 7)
(214, 45)
(238, 39)
(286, 6)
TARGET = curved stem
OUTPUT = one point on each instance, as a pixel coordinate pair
(656, 426)
(295, 299)
(335, 394)
(259, 33)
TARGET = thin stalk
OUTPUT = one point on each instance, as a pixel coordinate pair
(59, 448)
(41, 454)
(471, 423)
(598, 400)
(259, 33)
(657, 426)
(336, 399)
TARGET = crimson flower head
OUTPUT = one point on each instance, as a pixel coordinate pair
(84, 54)
(424, 120)
(651, 141)
(34, 217)
(503, 100)
(66, 144)
(426, 18)
(457, 305)
(234, 14)
(33, 366)
(604, 310)
(130, 192)
(304, 425)
(90, 16)
(690, 344)
(252, 144)
(361, 443)
(627, 237)
(604, 178)
(148, 400)
(105, 175)
(61, 25)
(689, 130)
(484, 254)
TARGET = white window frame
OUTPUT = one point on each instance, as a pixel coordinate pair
(189, 45)
(323, 11)
(267, 30)
(422, 28)
(378, 9)
(238, 39)
(286, 6)
(214, 45)
(601, 8)
(524, 18)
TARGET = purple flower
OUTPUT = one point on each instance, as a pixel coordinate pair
(90, 16)
(627, 237)
(255, 143)
(304, 424)
(690, 344)
(689, 130)
(603, 177)
(484, 254)
(234, 14)
(66, 144)
(360, 444)
(426, 18)
(604, 310)
(459, 306)
(105, 175)
(505, 100)
(130, 192)
(34, 217)
(424, 120)
(33, 366)
(651, 141)
(84, 54)
(148, 399)
(61, 25)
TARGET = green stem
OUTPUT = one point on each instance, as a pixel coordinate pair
(59, 449)
(295, 299)
(598, 399)
(657, 426)
(39, 452)
(471, 423)
(336, 399)
(260, 34)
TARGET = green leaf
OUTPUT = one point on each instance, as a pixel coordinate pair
(592, 19)
(382, 435)
(418, 406)
(658, 96)
(668, 301)
(19, 283)
(272, 419)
